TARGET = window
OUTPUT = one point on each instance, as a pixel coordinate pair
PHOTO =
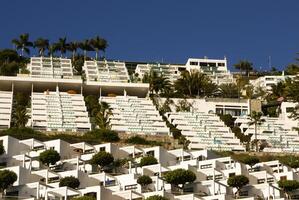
(221, 64)
(193, 63)
(102, 148)
(289, 109)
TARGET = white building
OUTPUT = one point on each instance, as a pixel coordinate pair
(216, 69)
(58, 111)
(266, 82)
(212, 172)
(106, 71)
(50, 67)
(6, 100)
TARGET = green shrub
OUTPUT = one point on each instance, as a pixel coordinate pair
(69, 181)
(144, 180)
(142, 141)
(156, 197)
(102, 159)
(180, 176)
(148, 160)
(49, 157)
(7, 178)
(104, 135)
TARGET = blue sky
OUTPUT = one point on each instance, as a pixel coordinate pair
(168, 30)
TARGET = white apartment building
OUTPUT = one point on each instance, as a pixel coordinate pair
(266, 82)
(58, 111)
(135, 115)
(6, 100)
(50, 67)
(106, 71)
(205, 131)
(212, 172)
(170, 71)
(216, 69)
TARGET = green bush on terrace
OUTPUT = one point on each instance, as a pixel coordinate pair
(142, 141)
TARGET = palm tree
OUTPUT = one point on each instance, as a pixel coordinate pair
(192, 83)
(61, 45)
(244, 65)
(256, 119)
(158, 83)
(229, 90)
(102, 118)
(52, 49)
(20, 117)
(73, 46)
(99, 44)
(23, 43)
(85, 46)
(42, 45)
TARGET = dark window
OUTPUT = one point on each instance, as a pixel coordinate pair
(102, 148)
(221, 64)
(204, 64)
(193, 63)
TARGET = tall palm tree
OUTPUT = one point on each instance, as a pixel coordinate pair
(99, 44)
(41, 44)
(85, 46)
(192, 83)
(256, 119)
(158, 83)
(244, 65)
(52, 49)
(61, 45)
(23, 43)
(73, 46)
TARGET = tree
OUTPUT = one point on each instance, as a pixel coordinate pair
(250, 160)
(290, 160)
(69, 181)
(99, 44)
(23, 43)
(20, 117)
(9, 69)
(237, 182)
(156, 197)
(292, 69)
(102, 159)
(144, 181)
(229, 90)
(41, 44)
(193, 84)
(228, 120)
(61, 45)
(288, 186)
(256, 119)
(180, 177)
(102, 118)
(85, 46)
(2, 150)
(244, 65)
(49, 157)
(7, 178)
(148, 160)
(158, 83)
(183, 106)
(72, 47)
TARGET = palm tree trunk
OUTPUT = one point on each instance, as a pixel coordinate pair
(84, 55)
(255, 133)
(97, 51)
(73, 56)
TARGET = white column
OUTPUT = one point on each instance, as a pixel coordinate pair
(47, 172)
